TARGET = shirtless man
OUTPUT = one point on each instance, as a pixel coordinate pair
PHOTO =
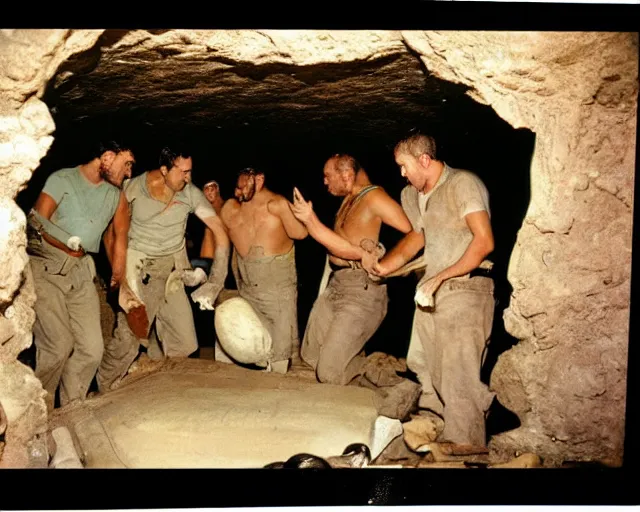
(261, 325)
(352, 306)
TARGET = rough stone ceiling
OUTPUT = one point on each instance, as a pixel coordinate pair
(361, 83)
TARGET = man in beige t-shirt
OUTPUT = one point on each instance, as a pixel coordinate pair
(449, 211)
(160, 202)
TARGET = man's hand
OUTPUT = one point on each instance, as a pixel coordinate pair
(369, 262)
(375, 268)
(425, 295)
(205, 296)
(302, 209)
(372, 253)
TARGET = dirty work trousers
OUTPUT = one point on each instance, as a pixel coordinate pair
(173, 322)
(67, 331)
(446, 352)
(342, 319)
(270, 285)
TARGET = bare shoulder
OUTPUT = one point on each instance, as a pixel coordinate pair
(378, 196)
(276, 203)
(378, 192)
(229, 206)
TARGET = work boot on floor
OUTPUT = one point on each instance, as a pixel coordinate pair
(381, 369)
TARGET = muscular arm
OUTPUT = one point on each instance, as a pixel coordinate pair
(389, 211)
(208, 244)
(219, 237)
(480, 247)
(206, 294)
(294, 228)
(40, 218)
(219, 232)
(334, 243)
(109, 241)
(120, 231)
(404, 251)
(45, 205)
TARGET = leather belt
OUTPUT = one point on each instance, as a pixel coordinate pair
(59, 245)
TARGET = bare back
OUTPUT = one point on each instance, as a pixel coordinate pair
(253, 229)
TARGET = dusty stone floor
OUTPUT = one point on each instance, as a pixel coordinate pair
(199, 413)
(202, 413)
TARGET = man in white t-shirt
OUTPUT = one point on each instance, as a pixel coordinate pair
(449, 211)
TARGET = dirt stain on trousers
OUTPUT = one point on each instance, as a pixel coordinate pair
(270, 285)
(342, 320)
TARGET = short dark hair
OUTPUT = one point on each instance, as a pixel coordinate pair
(168, 156)
(416, 144)
(110, 145)
(250, 171)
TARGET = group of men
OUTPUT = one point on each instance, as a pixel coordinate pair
(142, 221)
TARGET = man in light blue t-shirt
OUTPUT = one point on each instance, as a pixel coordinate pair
(73, 211)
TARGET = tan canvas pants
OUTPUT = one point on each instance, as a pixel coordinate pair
(446, 352)
(173, 316)
(343, 318)
(67, 331)
(270, 285)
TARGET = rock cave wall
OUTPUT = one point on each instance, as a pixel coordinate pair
(570, 268)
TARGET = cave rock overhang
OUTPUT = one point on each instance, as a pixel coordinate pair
(225, 86)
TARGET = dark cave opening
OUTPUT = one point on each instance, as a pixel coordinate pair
(469, 135)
